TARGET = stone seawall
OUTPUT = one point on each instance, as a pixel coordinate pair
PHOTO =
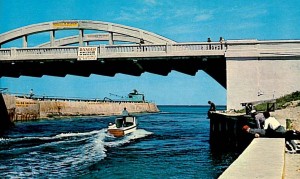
(226, 131)
(48, 108)
(22, 109)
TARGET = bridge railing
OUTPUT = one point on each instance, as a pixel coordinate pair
(5, 52)
(132, 48)
(107, 51)
(197, 46)
(163, 47)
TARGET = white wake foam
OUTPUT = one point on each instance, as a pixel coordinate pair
(139, 133)
(64, 152)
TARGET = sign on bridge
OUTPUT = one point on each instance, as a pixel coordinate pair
(65, 24)
(87, 53)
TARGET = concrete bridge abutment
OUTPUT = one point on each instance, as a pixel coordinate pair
(261, 71)
(6, 109)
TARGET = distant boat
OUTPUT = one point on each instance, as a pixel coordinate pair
(120, 129)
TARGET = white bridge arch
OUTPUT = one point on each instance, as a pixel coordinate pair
(115, 32)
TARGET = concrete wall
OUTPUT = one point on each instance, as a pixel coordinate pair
(92, 108)
(261, 70)
(263, 158)
(21, 109)
(226, 131)
(251, 79)
(10, 103)
(26, 109)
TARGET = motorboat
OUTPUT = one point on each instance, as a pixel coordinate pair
(122, 126)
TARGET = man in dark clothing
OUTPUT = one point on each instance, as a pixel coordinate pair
(212, 106)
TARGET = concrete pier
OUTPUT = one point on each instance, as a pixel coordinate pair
(5, 120)
(22, 109)
(263, 158)
(226, 131)
(69, 108)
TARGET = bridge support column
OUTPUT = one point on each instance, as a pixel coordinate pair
(52, 38)
(111, 38)
(80, 37)
(25, 41)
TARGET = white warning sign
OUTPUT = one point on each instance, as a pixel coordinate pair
(87, 53)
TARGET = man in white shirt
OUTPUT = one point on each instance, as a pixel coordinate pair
(273, 126)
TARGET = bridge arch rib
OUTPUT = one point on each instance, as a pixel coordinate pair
(94, 37)
(81, 25)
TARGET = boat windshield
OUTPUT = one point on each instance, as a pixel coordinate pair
(129, 119)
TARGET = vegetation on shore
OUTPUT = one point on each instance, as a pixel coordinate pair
(282, 102)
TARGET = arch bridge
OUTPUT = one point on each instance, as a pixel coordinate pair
(120, 49)
(249, 69)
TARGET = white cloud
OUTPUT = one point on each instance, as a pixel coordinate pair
(150, 2)
(203, 17)
(129, 14)
(248, 12)
(245, 25)
(160, 12)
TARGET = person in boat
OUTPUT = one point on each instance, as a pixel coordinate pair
(124, 115)
(259, 118)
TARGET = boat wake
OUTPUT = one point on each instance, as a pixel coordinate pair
(115, 142)
(58, 155)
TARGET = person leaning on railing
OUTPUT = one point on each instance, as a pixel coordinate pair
(273, 127)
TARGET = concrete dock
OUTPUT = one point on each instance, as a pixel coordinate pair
(23, 109)
(263, 158)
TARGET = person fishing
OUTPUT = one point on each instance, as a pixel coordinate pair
(211, 108)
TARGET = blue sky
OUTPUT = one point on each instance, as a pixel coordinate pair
(179, 20)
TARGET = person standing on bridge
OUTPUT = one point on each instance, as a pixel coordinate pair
(209, 45)
(142, 42)
(222, 42)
